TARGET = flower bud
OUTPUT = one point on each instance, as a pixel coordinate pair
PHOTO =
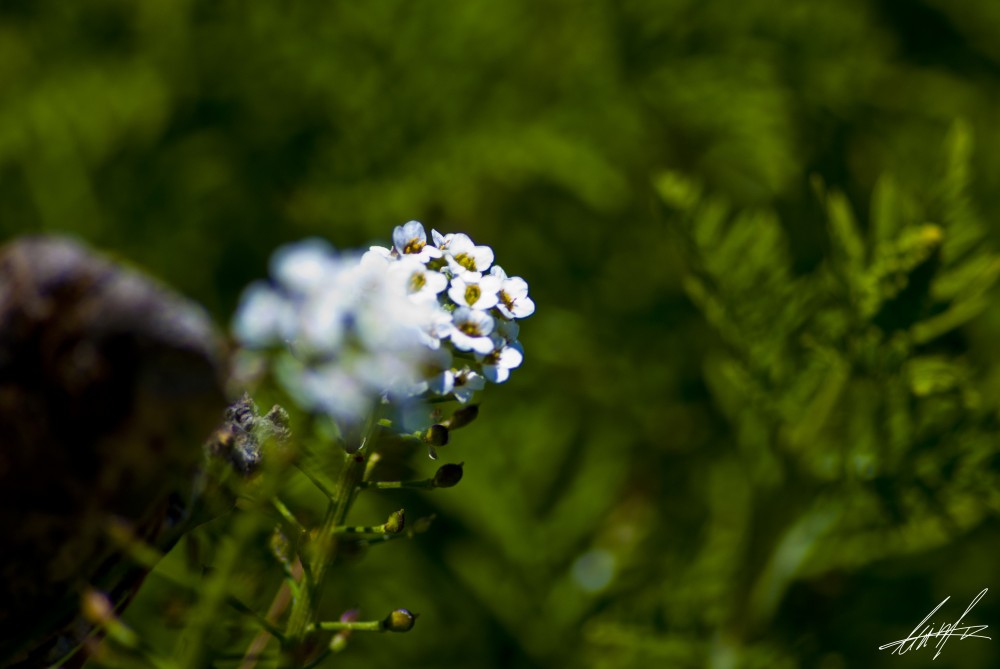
(339, 642)
(463, 417)
(399, 620)
(436, 435)
(97, 608)
(448, 475)
(396, 522)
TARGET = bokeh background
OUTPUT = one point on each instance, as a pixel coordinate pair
(740, 437)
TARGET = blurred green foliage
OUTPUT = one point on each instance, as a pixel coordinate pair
(756, 425)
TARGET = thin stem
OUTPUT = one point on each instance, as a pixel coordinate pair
(287, 515)
(214, 590)
(323, 488)
(278, 606)
(394, 525)
(393, 485)
(385, 537)
(259, 619)
(325, 545)
(357, 626)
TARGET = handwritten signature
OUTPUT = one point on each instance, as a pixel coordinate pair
(921, 635)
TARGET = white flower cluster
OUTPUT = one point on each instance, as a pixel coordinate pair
(416, 320)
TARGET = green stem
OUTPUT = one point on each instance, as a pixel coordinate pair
(394, 525)
(316, 482)
(358, 626)
(391, 485)
(214, 590)
(368, 541)
(287, 515)
(259, 619)
(325, 545)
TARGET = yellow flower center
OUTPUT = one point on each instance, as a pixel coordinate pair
(466, 261)
(414, 246)
(417, 281)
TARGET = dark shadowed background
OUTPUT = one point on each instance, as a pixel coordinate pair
(717, 452)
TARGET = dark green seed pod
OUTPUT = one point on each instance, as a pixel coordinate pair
(463, 416)
(436, 435)
(448, 475)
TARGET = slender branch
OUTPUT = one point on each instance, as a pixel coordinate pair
(394, 525)
(278, 607)
(264, 623)
(392, 485)
(323, 488)
(357, 626)
(325, 545)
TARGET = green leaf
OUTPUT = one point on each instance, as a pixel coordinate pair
(844, 232)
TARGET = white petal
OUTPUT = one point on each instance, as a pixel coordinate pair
(460, 340)
(303, 266)
(443, 383)
(264, 317)
(483, 257)
(457, 291)
(380, 251)
(496, 373)
(459, 244)
(436, 281)
(510, 357)
(516, 287)
(524, 307)
(481, 345)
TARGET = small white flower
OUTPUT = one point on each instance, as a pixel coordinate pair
(514, 301)
(470, 330)
(303, 266)
(265, 317)
(442, 383)
(437, 375)
(419, 282)
(337, 392)
(381, 252)
(467, 382)
(322, 320)
(474, 291)
(504, 357)
(410, 239)
(437, 327)
(441, 241)
(464, 256)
